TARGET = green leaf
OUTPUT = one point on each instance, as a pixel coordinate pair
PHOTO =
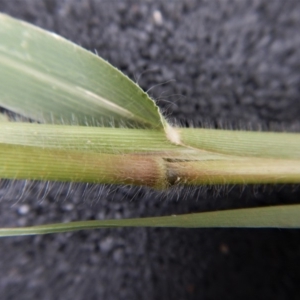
(49, 79)
(287, 216)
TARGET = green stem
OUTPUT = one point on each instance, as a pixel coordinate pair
(144, 156)
(236, 170)
(33, 163)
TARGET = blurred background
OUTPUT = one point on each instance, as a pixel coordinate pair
(220, 64)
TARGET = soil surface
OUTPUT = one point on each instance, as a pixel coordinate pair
(221, 64)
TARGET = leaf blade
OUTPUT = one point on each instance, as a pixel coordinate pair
(285, 216)
(47, 78)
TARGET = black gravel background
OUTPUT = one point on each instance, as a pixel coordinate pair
(216, 63)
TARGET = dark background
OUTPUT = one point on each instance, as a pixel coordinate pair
(210, 63)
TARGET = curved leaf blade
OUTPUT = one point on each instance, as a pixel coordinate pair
(51, 80)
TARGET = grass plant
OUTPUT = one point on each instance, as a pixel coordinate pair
(61, 89)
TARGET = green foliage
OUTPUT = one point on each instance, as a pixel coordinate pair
(49, 80)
